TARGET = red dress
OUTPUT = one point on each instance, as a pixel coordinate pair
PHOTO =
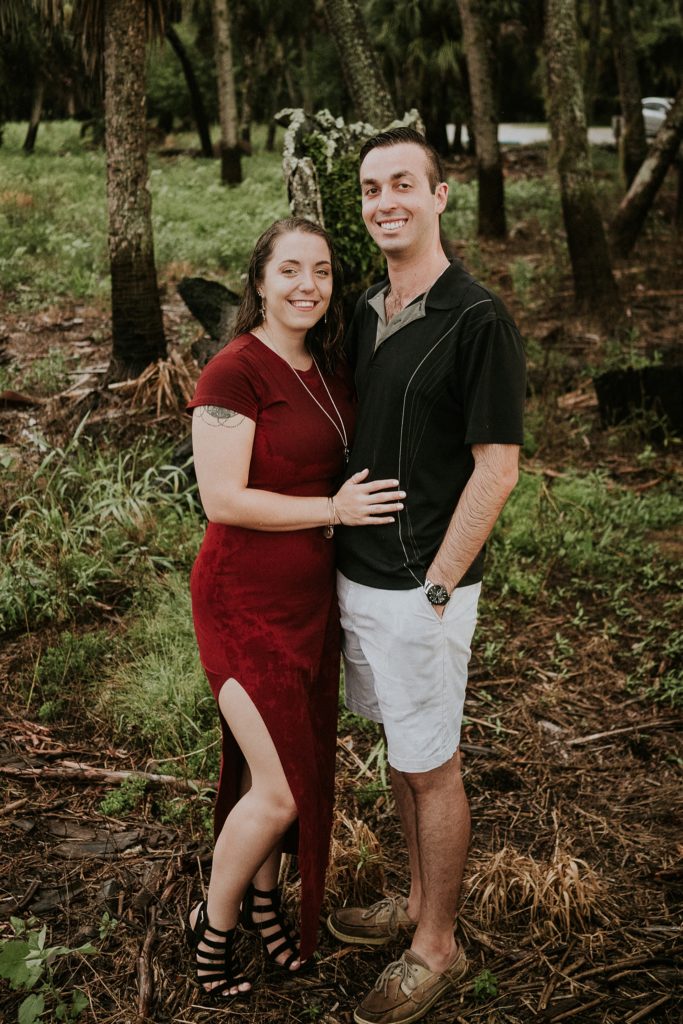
(264, 603)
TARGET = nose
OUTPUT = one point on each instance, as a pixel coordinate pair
(307, 281)
(387, 199)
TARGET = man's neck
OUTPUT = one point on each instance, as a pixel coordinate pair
(410, 278)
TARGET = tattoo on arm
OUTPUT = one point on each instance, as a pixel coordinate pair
(217, 416)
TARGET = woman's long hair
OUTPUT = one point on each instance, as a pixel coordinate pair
(324, 340)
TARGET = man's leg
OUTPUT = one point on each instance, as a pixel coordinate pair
(407, 811)
(443, 834)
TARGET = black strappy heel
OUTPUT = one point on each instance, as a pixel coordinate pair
(219, 966)
(283, 937)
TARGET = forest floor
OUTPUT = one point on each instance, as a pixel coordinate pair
(572, 902)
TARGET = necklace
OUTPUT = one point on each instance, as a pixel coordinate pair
(342, 432)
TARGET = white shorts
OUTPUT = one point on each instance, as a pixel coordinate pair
(406, 667)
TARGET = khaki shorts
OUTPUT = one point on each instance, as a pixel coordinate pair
(406, 667)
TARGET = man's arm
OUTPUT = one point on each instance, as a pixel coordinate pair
(493, 478)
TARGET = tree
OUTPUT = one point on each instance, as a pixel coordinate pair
(632, 143)
(198, 109)
(491, 222)
(360, 65)
(137, 326)
(594, 284)
(231, 151)
(630, 217)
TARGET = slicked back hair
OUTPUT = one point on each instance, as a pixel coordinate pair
(396, 136)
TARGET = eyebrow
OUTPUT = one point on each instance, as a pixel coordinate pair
(394, 177)
(320, 263)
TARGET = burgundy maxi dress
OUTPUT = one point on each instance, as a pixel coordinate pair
(264, 603)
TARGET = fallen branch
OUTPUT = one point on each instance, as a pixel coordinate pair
(76, 772)
(145, 972)
(641, 727)
(633, 1018)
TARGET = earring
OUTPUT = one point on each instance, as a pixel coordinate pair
(263, 306)
(325, 318)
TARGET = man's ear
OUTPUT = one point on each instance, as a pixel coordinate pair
(441, 195)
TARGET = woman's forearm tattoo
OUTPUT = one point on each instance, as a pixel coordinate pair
(217, 416)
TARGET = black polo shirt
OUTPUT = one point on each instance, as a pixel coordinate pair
(445, 373)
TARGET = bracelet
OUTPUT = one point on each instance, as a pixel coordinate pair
(335, 514)
(328, 531)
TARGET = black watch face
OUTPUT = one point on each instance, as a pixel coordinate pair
(437, 594)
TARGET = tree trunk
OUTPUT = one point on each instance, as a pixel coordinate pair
(360, 64)
(231, 153)
(630, 216)
(594, 285)
(593, 57)
(36, 114)
(485, 121)
(137, 327)
(198, 108)
(632, 142)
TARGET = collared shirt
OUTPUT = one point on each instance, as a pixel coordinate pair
(443, 374)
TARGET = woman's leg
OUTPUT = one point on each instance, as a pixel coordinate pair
(246, 846)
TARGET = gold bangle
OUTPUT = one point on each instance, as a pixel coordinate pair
(335, 515)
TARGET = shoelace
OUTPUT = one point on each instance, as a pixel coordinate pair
(399, 968)
(388, 903)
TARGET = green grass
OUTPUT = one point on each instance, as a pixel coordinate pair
(87, 528)
(53, 227)
(158, 697)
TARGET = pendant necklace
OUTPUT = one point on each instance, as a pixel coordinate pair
(342, 432)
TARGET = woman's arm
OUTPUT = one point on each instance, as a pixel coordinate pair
(222, 441)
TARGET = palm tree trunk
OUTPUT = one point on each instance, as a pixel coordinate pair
(592, 57)
(36, 114)
(594, 285)
(231, 152)
(485, 121)
(632, 142)
(360, 64)
(630, 216)
(198, 108)
(137, 327)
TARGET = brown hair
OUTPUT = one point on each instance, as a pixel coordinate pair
(394, 137)
(324, 340)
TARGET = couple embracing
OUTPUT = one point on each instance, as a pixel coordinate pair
(350, 482)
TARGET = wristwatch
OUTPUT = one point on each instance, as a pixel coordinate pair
(436, 593)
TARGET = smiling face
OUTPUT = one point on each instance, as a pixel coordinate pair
(400, 210)
(296, 283)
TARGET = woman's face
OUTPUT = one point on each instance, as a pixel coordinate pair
(297, 283)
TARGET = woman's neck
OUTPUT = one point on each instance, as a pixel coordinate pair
(289, 345)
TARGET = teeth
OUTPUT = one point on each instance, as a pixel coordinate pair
(303, 305)
(391, 225)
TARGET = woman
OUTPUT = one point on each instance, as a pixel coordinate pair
(272, 423)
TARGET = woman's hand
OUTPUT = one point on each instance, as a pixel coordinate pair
(362, 502)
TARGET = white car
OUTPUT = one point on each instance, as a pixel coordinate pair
(655, 109)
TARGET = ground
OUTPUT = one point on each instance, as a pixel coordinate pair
(572, 903)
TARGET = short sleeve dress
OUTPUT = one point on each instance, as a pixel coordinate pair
(264, 603)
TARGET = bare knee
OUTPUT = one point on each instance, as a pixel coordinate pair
(438, 779)
(277, 805)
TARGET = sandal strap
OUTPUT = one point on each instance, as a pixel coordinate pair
(215, 964)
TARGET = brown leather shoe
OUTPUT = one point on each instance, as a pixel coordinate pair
(371, 926)
(406, 990)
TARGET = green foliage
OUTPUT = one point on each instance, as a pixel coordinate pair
(125, 798)
(159, 698)
(581, 526)
(68, 668)
(485, 986)
(90, 526)
(340, 191)
(26, 962)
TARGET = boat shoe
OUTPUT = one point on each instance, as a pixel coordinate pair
(406, 990)
(372, 926)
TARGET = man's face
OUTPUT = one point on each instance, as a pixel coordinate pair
(399, 208)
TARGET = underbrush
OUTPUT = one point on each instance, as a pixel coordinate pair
(87, 529)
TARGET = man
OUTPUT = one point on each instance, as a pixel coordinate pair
(439, 369)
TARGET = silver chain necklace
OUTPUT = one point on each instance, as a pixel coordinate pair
(342, 433)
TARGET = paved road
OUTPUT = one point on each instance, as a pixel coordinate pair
(526, 134)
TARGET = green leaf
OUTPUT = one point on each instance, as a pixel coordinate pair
(13, 955)
(79, 1001)
(31, 1009)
